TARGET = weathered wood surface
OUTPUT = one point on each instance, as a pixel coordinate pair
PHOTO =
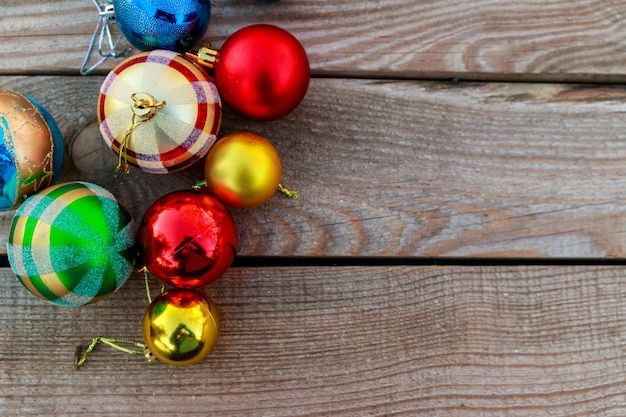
(387, 166)
(403, 341)
(405, 168)
(553, 40)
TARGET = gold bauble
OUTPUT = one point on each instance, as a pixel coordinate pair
(243, 170)
(181, 326)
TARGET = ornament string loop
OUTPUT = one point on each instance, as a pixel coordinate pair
(144, 108)
(135, 348)
(200, 184)
(102, 33)
(287, 192)
(127, 346)
(147, 283)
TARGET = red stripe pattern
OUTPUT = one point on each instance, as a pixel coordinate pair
(181, 132)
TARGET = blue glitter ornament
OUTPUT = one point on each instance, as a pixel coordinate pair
(175, 25)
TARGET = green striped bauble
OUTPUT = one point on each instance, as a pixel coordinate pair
(72, 244)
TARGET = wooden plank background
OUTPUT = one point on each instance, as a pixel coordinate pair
(457, 247)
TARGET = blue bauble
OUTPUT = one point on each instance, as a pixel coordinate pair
(57, 139)
(163, 24)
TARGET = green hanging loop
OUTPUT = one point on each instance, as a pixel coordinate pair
(137, 348)
(200, 184)
(287, 192)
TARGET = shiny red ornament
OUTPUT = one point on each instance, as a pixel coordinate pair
(187, 238)
(263, 72)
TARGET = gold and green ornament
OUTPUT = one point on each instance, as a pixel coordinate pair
(72, 244)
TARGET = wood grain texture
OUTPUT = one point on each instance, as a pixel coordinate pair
(386, 166)
(402, 341)
(489, 39)
(405, 168)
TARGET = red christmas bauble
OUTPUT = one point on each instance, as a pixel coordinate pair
(263, 72)
(187, 238)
